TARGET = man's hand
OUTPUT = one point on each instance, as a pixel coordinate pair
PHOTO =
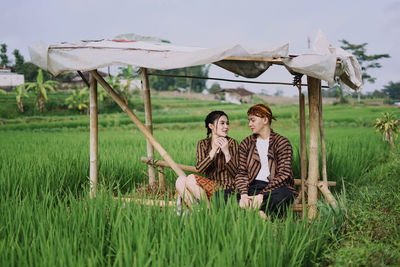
(257, 201)
(244, 201)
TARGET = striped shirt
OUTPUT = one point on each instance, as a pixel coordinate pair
(217, 169)
(279, 162)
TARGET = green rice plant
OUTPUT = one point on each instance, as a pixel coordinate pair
(102, 231)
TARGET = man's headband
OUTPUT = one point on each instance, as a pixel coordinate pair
(262, 111)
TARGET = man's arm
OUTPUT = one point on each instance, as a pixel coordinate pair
(283, 172)
(242, 178)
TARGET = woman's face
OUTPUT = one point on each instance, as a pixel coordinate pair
(220, 127)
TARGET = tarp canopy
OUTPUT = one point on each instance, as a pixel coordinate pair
(89, 55)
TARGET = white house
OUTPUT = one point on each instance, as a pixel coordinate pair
(236, 95)
(10, 79)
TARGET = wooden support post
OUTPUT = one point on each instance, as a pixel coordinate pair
(138, 123)
(303, 144)
(93, 173)
(313, 164)
(321, 132)
(327, 194)
(161, 182)
(149, 123)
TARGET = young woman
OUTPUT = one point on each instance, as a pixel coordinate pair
(216, 159)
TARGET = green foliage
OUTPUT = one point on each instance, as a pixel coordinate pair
(20, 92)
(371, 233)
(3, 55)
(366, 61)
(388, 126)
(19, 61)
(30, 71)
(79, 99)
(40, 88)
(392, 90)
(214, 88)
(58, 224)
(170, 83)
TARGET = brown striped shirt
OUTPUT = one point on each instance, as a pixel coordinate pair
(279, 163)
(217, 169)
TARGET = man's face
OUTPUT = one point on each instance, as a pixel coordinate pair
(257, 124)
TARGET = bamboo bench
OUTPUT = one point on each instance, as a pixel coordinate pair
(163, 164)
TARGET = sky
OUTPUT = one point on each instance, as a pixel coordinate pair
(213, 23)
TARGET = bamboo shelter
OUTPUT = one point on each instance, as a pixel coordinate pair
(326, 63)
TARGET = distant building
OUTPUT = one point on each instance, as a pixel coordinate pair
(236, 95)
(9, 80)
(180, 90)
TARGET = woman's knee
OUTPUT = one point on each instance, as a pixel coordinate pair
(191, 181)
(180, 183)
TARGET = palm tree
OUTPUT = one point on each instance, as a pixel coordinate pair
(40, 88)
(388, 126)
(20, 92)
(122, 90)
(78, 100)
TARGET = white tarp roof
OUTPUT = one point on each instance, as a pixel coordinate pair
(89, 55)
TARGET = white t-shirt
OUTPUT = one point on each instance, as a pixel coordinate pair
(262, 147)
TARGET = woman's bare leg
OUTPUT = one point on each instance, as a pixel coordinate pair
(181, 187)
(193, 187)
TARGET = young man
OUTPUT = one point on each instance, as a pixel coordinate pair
(264, 179)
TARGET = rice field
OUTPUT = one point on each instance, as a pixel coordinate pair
(47, 218)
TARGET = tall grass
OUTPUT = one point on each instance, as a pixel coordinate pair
(102, 231)
(47, 218)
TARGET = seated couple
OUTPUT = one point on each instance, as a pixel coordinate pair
(258, 172)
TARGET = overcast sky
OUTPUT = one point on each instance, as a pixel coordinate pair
(214, 23)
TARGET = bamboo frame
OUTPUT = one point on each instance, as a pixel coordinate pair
(138, 123)
(161, 177)
(93, 173)
(149, 123)
(313, 164)
(327, 194)
(303, 145)
(315, 117)
(322, 136)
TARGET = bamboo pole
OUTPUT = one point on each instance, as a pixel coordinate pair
(303, 144)
(327, 194)
(149, 123)
(161, 180)
(138, 123)
(322, 136)
(192, 169)
(93, 169)
(313, 164)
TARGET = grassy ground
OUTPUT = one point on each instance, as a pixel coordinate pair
(47, 218)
